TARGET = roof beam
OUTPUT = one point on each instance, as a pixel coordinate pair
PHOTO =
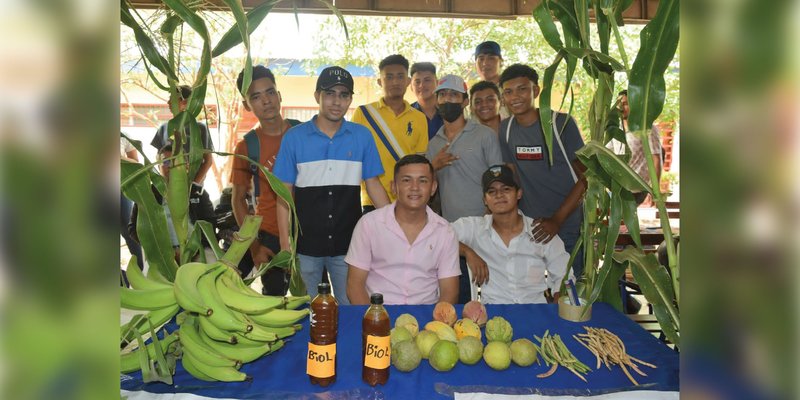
(640, 11)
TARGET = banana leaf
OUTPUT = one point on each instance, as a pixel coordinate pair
(151, 226)
(655, 283)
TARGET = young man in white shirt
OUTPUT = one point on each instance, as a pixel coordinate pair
(511, 266)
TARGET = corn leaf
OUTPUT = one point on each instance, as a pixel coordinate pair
(604, 61)
(151, 226)
(241, 23)
(630, 216)
(542, 16)
(199, 25)
(610, 240)
(545, 109)
(656, 286)
(146, 46)
(610, 292)
(178, 200)
(233, 36)
(336, 12)
(646, 89)
(619, 170)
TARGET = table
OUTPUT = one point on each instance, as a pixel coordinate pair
(282, 374)
(650, 236)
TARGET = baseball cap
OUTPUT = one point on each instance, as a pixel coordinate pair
(488, 47)
(332, 76)
(452, 82)
(498, 173)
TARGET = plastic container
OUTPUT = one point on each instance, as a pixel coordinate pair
(324, 326)
(375, 350)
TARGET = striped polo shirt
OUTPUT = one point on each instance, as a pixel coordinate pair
(327, 173)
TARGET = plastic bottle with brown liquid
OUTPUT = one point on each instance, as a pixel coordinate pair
(324, 325)
(375, 350)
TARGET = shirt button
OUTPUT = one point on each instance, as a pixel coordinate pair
(330, 237)
(330, 193)
(330, 216)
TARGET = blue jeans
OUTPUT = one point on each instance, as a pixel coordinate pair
(311, 270)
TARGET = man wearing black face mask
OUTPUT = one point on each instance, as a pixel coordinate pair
(460, 152)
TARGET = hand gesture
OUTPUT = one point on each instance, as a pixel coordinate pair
(544, 229)
(478, 267)
(443, 158)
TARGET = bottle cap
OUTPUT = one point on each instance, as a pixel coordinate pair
(376, 298)
(324, 288)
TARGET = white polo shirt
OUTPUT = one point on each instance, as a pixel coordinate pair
(516, 272)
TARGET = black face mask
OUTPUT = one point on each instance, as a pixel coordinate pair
(450, 111)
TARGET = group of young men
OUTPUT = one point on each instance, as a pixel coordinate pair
(362, 188)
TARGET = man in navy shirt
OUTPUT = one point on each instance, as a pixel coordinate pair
(322, 162)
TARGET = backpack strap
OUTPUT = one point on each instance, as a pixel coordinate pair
(293, 122)
(254, 152)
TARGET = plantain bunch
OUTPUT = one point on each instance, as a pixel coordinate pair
(225, 323)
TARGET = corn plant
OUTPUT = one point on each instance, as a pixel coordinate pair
(160, 52)
(609, 200)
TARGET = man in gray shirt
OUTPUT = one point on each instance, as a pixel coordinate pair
(460, 152)
(552, 193)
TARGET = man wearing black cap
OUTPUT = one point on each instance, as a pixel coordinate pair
(515, 265)
(323, 162)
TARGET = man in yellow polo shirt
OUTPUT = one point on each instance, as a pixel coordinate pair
(398, 128)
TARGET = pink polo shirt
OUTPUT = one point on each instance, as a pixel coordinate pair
(404, 273)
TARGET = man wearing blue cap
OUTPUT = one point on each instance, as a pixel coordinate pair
(489, 61)
(489, 64)
(460, 152)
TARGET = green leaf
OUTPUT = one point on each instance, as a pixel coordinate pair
(545, 109)
(151, 227)
(146, 46)
(178, 200)
(211, 237)
(646, 89)
(233, 36)
(564, 10)
(603, 26)
(604, 61)
(630, 216)
(610, 292)
(194, 246)
(338, 14)
(614, 166)
(542, 16)
(241, 23)
(582, 16)
(656, 286)
(198, 24)
(610, 240)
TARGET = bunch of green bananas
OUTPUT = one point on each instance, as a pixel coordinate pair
(226, 323)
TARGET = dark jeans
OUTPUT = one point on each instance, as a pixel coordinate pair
(464, 292)
(275, 281)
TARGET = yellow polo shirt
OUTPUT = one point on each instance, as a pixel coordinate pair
(410, 131)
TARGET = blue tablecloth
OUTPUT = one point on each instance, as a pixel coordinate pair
(282, 374)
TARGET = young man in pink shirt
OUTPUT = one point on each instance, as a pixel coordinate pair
(404, 251)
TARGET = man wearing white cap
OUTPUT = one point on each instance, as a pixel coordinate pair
(460, 152)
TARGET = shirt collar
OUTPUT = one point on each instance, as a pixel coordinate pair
(527, 226)
(432, 216)
(406, 106)
(343, 129)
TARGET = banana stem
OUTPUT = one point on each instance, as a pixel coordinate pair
(247, 233)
